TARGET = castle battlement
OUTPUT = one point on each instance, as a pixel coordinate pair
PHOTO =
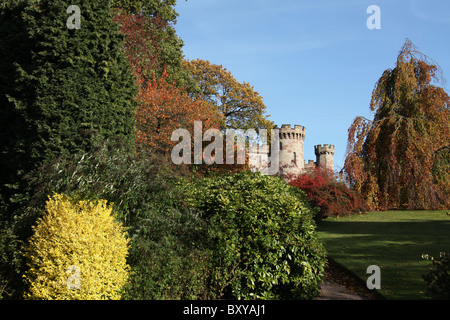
(324, 149)
(288, 132)
(291, 155)
(288, 128)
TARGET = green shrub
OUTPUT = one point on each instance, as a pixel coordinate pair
(56, 84)
(169, 258)
(11, 284)
(262, 235)
(438, 280)
(141, 186)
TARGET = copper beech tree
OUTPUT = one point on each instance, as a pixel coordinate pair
(400, 159)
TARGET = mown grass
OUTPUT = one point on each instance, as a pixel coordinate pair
(392, 240)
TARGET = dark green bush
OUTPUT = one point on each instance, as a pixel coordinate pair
(168, 257)
(56, 84)
(438, 280)
(11, 284)
(263, 237)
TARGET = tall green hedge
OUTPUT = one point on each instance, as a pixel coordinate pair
(59, 83)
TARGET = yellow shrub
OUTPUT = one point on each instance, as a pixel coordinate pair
(77, 251)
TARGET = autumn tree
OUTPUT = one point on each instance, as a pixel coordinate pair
(164, 99)
(165, 9)
(400, 158)
(151, 41)
(167, 101)
(241, 105)
(163, 108)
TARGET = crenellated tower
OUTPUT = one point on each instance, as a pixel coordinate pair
(291, 156)
(291, 149)
(325, 155)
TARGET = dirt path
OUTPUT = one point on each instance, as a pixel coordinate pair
(331, 290)
(339, 284)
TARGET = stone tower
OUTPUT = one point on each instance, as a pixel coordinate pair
(325, 155)
(291, 149)
(291, 156)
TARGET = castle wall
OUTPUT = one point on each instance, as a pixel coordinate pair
(258, 157)
(310, 164)
(291, 154)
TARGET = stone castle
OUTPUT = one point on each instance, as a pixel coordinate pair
(291, 156)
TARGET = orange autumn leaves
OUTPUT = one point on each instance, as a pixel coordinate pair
(163, 104)
(400, 159)
(163, 108)
(141, 40)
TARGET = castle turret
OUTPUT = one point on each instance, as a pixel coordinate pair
(325, 155)
(291, 154)
(291, 149)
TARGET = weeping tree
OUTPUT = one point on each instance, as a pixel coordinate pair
(400, 159)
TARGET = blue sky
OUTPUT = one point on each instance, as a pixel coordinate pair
(314, 62)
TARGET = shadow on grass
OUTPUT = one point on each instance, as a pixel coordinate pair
(396, 247)
(410, 228)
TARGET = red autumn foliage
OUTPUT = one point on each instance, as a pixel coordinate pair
(163, 108)
(333, 198)
(142, 40)
(164, 105)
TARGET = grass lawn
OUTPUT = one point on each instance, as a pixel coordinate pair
(392, 240)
